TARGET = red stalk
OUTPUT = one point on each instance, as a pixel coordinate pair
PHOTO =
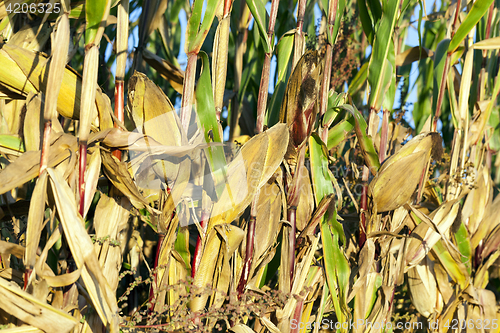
(247, 266)
(188, 91)
(45, 146)
(297, 314)
(383, 135)
(363, 207)
(263, 93)
(154, 286)
(227, 7)
(299, 38)
(445, 72)
(325, 87)
(264, 80)
(199, 245)
(293, 221)
(118, 111)
(81, 180)
(441, 91)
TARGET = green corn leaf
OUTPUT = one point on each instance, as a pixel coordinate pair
(463, 244)
(455, 269)
(338, 133)
(201, 32)
(338, 20)
(379, 70)
(333, 112)
(258, 10)
(284, 53)
(96, 13)
(193, 23)
(375, 11)
(366, 21)
(336, 266)
(359, 80)
(205, 109)
(439, 62)
(181, 245)
(479, 8)
(367, 147)
(11, 142)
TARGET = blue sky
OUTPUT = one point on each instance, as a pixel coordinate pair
(411, 40)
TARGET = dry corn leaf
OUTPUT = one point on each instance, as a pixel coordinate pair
(482, 314)
(33, 120)
(47, 274)
(489, 222)
(22, 329)
(241, 328)
(221, 241)
(267, 224)
(32, 38)
(250, 170)
(12, 114)
(400, 174)
(285, 315)
(423, 288)
(138, 142)
(57, 67)
(28, 73)
(92, 173)
(480, 196)
(8, 248)
(27, 166)
(27, 308)
(167, 70)
(36, 217)
(117, 173)
(426, 234)
(322, 208)
(168, 222)
(82, 249)
(89, 86)
(110, 221)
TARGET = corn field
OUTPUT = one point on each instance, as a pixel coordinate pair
(245, 166)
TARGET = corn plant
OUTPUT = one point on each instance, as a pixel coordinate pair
(361, 195)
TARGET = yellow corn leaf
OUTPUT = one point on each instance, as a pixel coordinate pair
(250, 170)
(33, 127)
(35, 220)
(27, 166)
(28, 73)
(27, 308)
(423, 288)
(426, 235)
(82, 249)
(111, 221)
(221, 241)
(57, 67)
(167, 70)
(400, 174)
(89, 87)
(118, 174)
(92, 173)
